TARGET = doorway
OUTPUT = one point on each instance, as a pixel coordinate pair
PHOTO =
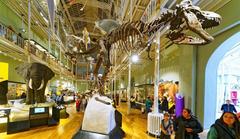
(212, 81)
(228, 79)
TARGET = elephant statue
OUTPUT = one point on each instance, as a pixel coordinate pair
(36, 75)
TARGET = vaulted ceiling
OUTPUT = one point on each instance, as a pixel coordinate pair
(84, 13)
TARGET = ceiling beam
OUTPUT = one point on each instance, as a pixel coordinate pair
(90, 33)
(127, 15)
(123, 10)
(88, 20)
(67, 14)
(136, 8)
(142, 8)
(94, 3)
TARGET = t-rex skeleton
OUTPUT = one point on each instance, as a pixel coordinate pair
(136, 35)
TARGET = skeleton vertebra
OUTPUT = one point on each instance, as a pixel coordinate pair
(135, 35)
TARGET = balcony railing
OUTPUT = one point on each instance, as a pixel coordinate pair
(18, 40)
(9, 34)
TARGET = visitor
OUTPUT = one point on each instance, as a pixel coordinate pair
(78, 103)
(148, 104)
(164, 104)
(23, 95)
(132, 102)
(228, 107)
(166, 127)
(227, 127)
(187, 126)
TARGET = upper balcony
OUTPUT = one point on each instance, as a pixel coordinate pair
(15, 46)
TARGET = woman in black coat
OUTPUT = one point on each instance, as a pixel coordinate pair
(187, 126)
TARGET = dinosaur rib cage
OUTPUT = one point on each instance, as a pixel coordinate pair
(127, 37)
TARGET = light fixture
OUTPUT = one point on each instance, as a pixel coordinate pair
(135, 58)
(83, 6)
(22, 29)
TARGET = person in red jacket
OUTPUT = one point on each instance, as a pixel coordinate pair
(78, 103)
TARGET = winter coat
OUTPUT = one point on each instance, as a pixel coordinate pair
(181, 123)
(220, 131)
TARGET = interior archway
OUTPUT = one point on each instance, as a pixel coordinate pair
(211, 78)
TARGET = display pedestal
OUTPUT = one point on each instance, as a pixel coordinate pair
(18, 126)
(37, 116)
(153, 124)
(55, 117)
(116, 133)
(4, 117)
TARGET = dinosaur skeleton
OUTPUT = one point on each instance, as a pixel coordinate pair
(72, 39)
(135, 36)
(85, 39)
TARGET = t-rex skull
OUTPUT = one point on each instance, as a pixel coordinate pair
(192, 18)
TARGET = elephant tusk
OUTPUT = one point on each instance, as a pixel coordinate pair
(41, 86)
(30, 83)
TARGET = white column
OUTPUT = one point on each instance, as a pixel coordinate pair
(72, 73)
(29, 31)
(129, 83)
(115, 82)
(156, 74)
(60, 59)
(49, 40)
(76, 77)
(129, 70)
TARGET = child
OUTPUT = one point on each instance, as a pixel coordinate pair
(166, 127)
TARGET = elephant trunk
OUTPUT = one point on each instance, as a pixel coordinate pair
(30, 84)
(41, 86)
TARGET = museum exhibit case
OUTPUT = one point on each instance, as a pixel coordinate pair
(16, 90)
(24, 117)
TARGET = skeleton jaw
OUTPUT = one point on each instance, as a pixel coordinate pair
(189, 40)
(195, 26)
(196, 21)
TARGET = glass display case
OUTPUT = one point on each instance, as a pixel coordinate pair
(142, 91)
(15, 90)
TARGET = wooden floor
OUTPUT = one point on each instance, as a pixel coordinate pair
(134, 125)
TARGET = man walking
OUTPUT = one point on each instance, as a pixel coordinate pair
(228, 107)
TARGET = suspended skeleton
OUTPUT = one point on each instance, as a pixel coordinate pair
(135, 36)
(85, 39)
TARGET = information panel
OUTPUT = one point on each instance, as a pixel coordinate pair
(3, 71)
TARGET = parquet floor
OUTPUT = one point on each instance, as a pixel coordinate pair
(135, 126)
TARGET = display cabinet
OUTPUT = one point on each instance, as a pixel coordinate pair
(38, 116)
(142, 91)
(4, 118)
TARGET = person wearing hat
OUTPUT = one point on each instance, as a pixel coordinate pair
(227, 127)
